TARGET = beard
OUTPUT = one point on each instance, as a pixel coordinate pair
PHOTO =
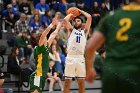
(77, 27)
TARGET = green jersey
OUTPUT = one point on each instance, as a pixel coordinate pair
(122, 32)
(41, 54)
(121, 69)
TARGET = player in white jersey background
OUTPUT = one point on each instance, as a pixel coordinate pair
(75, 61)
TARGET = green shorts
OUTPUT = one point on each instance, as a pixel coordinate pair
(37, 83)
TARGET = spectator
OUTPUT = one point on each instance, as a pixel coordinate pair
(24, 45)
(33, 44)
(25, 8)
(10, 17)
(36, 23)
(69, 3)
(55, 55)
(80, 4)
(99, 2)
(59, 6)
(46, 19)
(95, 14)
(33, 39)
(42, 7)
(108, 5)
(62, 50)
(63, 34)
(56, 44)
(13, 64)
(62, 44)
(1, 81)
(35, 12)
(103, 10)
(15, 6)
(58, 16)
(36, 2)
(63, 37)
(6, 2)
(88, 4)
(1, 78)
(53, 76)
(115, 4)
(22, 24)
(51, 3)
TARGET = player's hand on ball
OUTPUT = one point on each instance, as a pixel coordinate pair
(73, 10)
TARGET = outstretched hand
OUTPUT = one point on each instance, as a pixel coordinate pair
(91, 75)
(72, 16)
(54, 21)
(59, 25)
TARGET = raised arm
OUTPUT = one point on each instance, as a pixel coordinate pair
(53, 34)
(67, 22)
(42, 39)
(88, 22)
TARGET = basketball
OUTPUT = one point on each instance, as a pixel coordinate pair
(74, 11)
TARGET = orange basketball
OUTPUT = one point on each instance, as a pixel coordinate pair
(74, 11)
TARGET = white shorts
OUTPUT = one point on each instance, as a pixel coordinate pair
(75, 67)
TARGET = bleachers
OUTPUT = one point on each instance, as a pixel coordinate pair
(9, 79)
(10, 84)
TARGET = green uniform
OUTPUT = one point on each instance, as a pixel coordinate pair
(37, 79)
(121, 71)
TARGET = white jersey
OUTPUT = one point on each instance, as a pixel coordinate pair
(76, 42)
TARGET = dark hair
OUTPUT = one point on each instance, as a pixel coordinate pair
(78, 17)
(38, 17)
(13, 52)
(38, 37)
(33, 31)
(46, 12)
(57, 47)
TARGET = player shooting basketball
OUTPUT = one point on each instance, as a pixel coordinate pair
(75, 61)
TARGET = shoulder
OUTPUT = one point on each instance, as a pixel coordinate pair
(18, 22)
(47, 5)
(44, 17)
(113, 14)
(5, 12)
(73, 29)
(38, 5)
(18, 37)
(31, 23)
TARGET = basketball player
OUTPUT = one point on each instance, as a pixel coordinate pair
(75, 61)
(121, 31)
(38, 78)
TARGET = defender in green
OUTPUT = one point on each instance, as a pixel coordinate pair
(120, 30)
(41, 53)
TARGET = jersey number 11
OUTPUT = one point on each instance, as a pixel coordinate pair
(77, 39)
